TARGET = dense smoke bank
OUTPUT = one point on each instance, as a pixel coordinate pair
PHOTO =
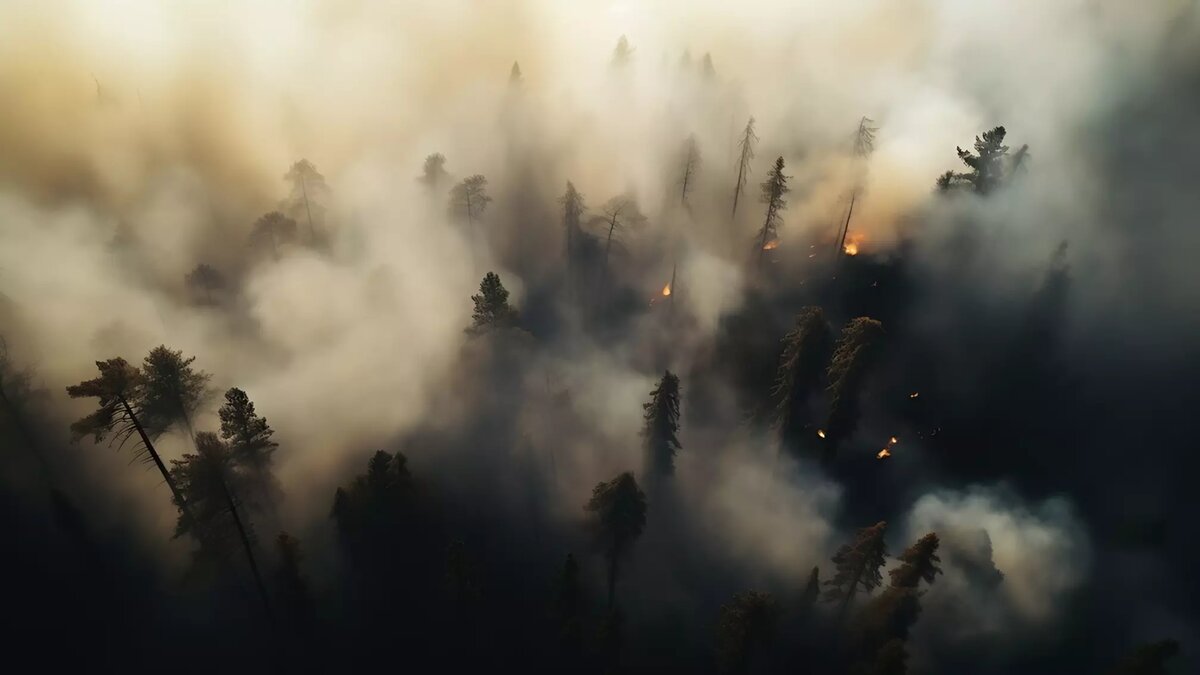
(651, 307)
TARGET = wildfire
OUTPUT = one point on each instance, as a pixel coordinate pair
(887, 450)
(852, 243)
(821, 433)
(771, 245)
(666, 290)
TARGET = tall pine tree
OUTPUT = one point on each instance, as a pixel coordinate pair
(661, 427)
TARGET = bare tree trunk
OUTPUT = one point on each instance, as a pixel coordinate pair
(850, 592)
(846, 228)
(237, 520)
(312, 231)
(179, 500)
(762, 244)
(612, 580)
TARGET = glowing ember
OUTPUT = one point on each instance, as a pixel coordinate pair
(666, 290)
(852, 243)
(882, 454)
(773, 244)
(821, 433)
(915, 394)
(887, 450)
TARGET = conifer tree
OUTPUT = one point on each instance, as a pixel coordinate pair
(205, 280)
(622, 53)
(567, 610)
(433, 174)
(745, 156)
(491, 306)
(691, 164)
(308, 188)
(883, 625)
(273, 230)
(805, 349)
(293, 596)
(618, 510)
(746, 622)
(250, 445)
(852, 359)
(661, 427)
(573, 208)
(170, 391)
(469, 199)
(857, 565)
(989, 167)
(812, 590)
(773, 190)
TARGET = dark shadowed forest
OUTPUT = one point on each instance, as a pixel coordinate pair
(600, 337)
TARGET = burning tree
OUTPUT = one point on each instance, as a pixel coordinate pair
(852, 359)
(273, 230)
(857, 565)
(469, 198)
(864, 145)
(205, 280)
(989, 166)
(662, 425)
(805, 349)
(745, 156)
(618, 510)
(210, 483)
(773, 190)
(691, 164)
(433, 174)
(491, 306)
(308, 187)
(747, 621)
(250, 444)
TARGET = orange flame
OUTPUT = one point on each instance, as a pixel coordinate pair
(887, 450)
(770, 245)
(915, 394)
(821, 433)
(666, 290)
(852, 243)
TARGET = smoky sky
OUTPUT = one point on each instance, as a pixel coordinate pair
(1049, 329)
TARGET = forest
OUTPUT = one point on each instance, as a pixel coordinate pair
(602, 337)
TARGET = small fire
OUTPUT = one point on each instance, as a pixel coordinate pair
(771, 245)
(666, 290)
(821, 433)
(852, 243)
(887, 450)
(915, 394)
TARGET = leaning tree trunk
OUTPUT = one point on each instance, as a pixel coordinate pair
(237, 521)
(179, 500)
(612, 580)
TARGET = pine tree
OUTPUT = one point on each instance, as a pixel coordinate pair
(573, 209)
(745, 156)
(852, 359)
(746, 622)
(691, 164)
(292, 594)
(567, 610)
(884, 625)
(433, 174)
(308, 187)
(273, 230)
(170, 391)
(210, 483)
(773, 190)
(622, 53)
(857, 565)
(805, 349)
(989, 166)
(469, 198)
(492, 310)
(514, 75)
(812, 590)
(618, 510)
(661, 427)
(206, 280)
(119, 390)
(919, 563)
(250, 445)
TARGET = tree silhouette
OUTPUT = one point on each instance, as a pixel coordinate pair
(622, 53)
(491, 306)
(469, 198)
(209, 482)
(1147, 659)
(748, 620)
(119, 390)
(308, 187)
(988, 167)
(573, 208)
(919, 563)
(567, 610)
(745, 156)
(292, 594)
(773, 190)
(707, 70)
(691, 164)
(617, 215)
(205, 280)
(16, 391)
(864, 145)
(852, 358)
(805, 349)
(812, 590)
(662, 425)
(169, 391)
(374, 502)
(272, 230)
(514, 75)
(250, 444)
(434, 174)
(884, 625)
(857, 565)
(618, 510)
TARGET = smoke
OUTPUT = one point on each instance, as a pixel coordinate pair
(141, 139)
